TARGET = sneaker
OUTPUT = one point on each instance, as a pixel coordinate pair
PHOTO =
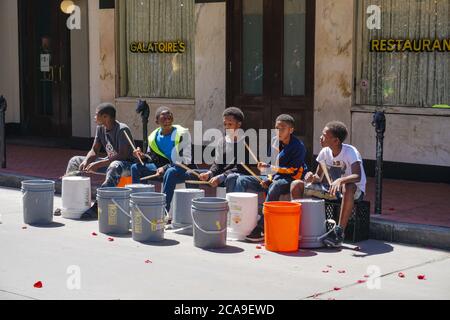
(57, 213)
(335, 239)
(91, 213)
(256, 235)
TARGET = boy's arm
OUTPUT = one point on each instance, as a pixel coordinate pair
(295, 164)
(355, 177)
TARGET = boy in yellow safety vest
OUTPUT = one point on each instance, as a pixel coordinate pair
(167, 145)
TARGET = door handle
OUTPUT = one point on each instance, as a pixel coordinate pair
(52, 74)
(60, 73)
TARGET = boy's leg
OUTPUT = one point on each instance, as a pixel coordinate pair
(245, 183)
(297, 190)
(277, 189)
(139, 171)
(347, 204)
(114, 173)
(336, 239)
(172, 177)
(230, 182)
(74, 164)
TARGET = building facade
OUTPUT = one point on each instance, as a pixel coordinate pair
(310, 58)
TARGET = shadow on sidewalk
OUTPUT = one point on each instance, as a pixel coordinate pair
(227, 250)
(48, 226)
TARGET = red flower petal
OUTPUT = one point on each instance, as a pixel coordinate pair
(366, 276)
(38, 285)
(110, 239)
(258, 247)
(258, 257)
(148, 261)
(401, 275)
(362, 281)
(94, 234)
(421, 277)
(326, 271)
(337, 288)
(341, 271)
(24, 228)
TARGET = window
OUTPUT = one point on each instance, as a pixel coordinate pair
(403, 78)
(147, 25)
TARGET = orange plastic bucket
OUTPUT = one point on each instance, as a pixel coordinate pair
(124, 181)
(282, 226)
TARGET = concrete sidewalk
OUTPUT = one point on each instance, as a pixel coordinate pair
(118, 269)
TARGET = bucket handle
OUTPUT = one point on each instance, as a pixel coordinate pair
(120, 208)
(334, 223)
(168, 230)
(157, 225)
(205, 231)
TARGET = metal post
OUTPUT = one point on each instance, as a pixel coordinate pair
(3, 106)
(144, 110)
(379, 122)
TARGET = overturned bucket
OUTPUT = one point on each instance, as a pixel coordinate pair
(38, 201)
(147, 212)
(76, 196)
(182, 203)
(114, 210)
(243, 216)
(209, 218)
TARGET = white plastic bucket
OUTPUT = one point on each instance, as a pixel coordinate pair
(76, 196)
(243, 215)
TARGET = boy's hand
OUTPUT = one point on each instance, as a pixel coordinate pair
(266, 184)
(204, 176)
(138, 153)
(83, 166)
(214, 182)
(309, 178)
(93, 167)
(262, 166)
(336, 187)
(160, 171)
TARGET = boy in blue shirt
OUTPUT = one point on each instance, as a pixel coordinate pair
(289, 166)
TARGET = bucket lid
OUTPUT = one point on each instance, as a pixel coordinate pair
(38, 184)
(242, 195)
(148, 197)
(190, 191)
(140, 186)
(210, 203)
(76, 179)
(114, 192)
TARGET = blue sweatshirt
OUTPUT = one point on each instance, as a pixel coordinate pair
(290, 161)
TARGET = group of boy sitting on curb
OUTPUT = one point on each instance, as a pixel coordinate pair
(290, 176)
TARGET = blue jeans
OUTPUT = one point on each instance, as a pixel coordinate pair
(275, 191)
(139, 171)
(173, 176)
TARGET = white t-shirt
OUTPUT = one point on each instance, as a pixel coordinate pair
(341, 166)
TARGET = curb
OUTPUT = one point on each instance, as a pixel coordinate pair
(407, 233)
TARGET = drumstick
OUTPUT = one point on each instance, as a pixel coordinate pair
(151, 177)
(198, 182)
(251, 172)
(324, 167)
(251, 152)
(132, 146)
(187, 169)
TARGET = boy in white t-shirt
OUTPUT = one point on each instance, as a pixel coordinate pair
(346, 169)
